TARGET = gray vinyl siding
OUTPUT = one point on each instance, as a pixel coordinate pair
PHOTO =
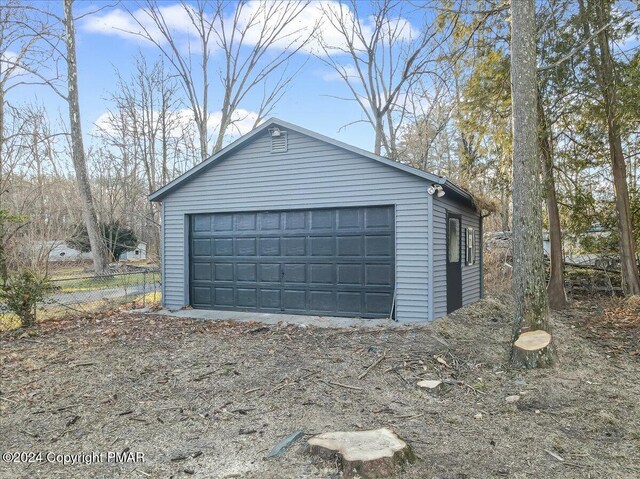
(311, 174)
(470, 274)
(162, 250)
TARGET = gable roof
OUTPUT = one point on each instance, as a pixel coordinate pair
(161, 193)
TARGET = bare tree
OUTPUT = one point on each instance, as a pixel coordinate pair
(532, 342)
(379, 61)
(98, 247)
(37, 192)
(12, 218)
(425, 140)
(254, 29)
(21, 34)
(146, 140)
(38, 25)
(36, 199)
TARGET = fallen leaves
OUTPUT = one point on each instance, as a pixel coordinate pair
(612, 323)
(441, 360)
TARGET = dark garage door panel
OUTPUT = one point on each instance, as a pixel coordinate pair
(325, 261)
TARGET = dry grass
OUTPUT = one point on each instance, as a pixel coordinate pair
(214, 397)
(9, 321)
(497, 271)
(152, 300)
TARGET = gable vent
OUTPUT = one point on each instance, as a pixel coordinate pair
(278, 140)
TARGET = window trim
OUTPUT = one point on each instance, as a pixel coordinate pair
(470, 247)
(458, 219)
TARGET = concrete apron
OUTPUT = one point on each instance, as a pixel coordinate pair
(271, 318)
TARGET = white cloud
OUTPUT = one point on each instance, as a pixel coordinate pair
(115, 22)
(138, 24)
(182, 121)
(315, 17)
(243, 122)
(8, 61)
(334, 16)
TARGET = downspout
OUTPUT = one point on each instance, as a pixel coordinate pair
(187, 260)
(482, 255)
(163, 276)
(430, 309)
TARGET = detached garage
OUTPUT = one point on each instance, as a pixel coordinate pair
(288, 220)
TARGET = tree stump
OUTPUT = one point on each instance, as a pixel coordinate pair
(532, 349)
(367, 454)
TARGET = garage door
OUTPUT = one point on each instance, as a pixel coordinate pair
(326, 261)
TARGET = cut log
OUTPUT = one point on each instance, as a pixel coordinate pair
(434, 386)
(365, 454)
(532, 349)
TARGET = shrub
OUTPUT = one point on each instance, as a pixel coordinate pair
(22, 294)
(117, 237)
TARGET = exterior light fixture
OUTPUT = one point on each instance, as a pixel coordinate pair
(437, 190)
(275, 132)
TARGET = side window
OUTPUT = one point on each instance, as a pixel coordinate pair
(471, 247)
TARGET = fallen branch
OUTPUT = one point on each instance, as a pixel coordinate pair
(554, 455)
(206, 375)
(474, 389)
(373, 365)
(347, 386)
(400, 376)
(283, 383)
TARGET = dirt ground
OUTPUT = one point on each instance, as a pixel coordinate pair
(211, 399)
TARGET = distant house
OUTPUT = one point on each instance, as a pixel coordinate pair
(59, 251)
(139, 253)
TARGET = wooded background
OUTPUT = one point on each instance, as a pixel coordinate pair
(436, 93)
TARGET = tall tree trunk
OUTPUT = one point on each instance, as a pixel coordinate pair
(531, 303)
(98, 247)
(204, 113)
(392, 150)
(225, 120)
(165, 143)
(555, 286)
(4, 272)
(379, 131)
(605, 69)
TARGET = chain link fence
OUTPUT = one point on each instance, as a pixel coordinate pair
(140, 287)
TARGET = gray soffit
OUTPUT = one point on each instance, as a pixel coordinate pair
(212, 160)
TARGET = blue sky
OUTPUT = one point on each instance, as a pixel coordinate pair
(102, 49)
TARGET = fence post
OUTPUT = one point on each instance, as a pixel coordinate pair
(144, 288)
